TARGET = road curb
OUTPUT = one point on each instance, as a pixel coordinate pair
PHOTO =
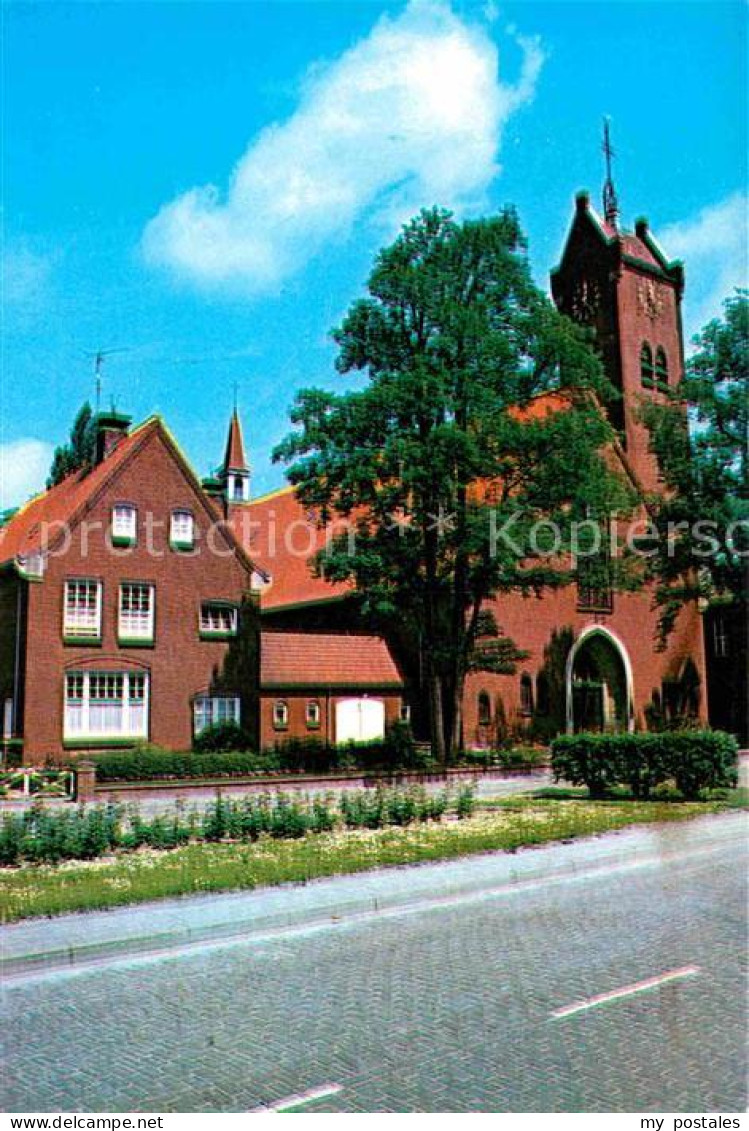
(491, 874)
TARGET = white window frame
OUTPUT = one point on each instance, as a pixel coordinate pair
(313, 713)
(210, 710)
(136, 624)
(73, 624)
(124, 523)
(90, 715)
(182, 528)
(210, 619)
(280, 714)
(8, 713)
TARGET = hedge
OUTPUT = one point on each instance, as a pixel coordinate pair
(297, 756)
(151, 763)
(694, 760)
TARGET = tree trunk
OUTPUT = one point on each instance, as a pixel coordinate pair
(436, 719)
(456, 743)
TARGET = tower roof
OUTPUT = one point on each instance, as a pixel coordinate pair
(235, 460)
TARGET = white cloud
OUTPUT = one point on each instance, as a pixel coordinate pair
(410, 116)
(24, 275)
(24, 466)
(713, 245)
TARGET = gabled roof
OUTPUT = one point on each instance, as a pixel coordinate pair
(67, 502)
(234, 459)
(280, 536)
(296, 659)
(62, 503)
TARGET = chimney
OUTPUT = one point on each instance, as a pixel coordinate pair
(111, 427)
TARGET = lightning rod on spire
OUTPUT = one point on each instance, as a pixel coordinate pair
(610, 202)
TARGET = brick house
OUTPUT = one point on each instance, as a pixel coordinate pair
(126, 604)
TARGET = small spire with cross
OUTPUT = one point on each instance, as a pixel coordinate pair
(610, 202)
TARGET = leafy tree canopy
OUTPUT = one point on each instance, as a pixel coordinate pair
(703, 518)
(79, 451)
(442, 464)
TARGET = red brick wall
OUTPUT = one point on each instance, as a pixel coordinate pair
(531, 623)
(297, 704)
(180, 664)
(636, 327)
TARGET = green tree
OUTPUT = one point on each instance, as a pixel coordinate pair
(79, 451)
(699, 436)
(434, 463)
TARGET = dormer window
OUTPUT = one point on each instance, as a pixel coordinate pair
(661, 366)
(646, 365)
(182, 530)
(124, 524)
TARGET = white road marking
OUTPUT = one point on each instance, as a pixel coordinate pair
(297, 1100)
(625, 991)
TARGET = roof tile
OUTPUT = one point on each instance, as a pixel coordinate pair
(327, 660)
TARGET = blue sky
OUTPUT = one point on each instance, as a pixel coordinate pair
(206, 183)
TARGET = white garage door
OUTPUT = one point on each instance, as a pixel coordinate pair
(359, 720)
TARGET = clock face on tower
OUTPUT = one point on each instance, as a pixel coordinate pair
(650, 298)
(585, 300)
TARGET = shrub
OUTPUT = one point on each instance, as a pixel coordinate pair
(693, 759)
(221, 736)
(362, 808)
(700, 759)
(220, 751)
(466, 802)
(150, 763)
(511, 757)
(585, 759)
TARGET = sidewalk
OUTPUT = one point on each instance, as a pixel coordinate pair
(73, 941)
(488, 783)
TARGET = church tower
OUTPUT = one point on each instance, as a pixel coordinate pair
(235, 472)
(621, 285)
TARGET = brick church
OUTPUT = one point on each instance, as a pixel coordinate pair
(138, 603)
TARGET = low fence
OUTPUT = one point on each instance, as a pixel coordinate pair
(26, 782)
(89, 789)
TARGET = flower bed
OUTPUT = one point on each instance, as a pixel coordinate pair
(41, 835)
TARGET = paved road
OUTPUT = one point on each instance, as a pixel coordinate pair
(437, 1005)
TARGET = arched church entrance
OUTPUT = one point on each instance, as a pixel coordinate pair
(599, 684)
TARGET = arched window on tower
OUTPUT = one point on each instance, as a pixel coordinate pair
(661, 366)
(646, 364)
(526, 695)
(485, 709)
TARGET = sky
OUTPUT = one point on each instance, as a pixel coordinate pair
(200, 188)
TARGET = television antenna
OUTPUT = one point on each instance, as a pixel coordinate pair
(98, 357)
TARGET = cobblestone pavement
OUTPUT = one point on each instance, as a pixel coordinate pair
(438, 1008)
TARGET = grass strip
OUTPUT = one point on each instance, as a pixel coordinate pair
(147, 874)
